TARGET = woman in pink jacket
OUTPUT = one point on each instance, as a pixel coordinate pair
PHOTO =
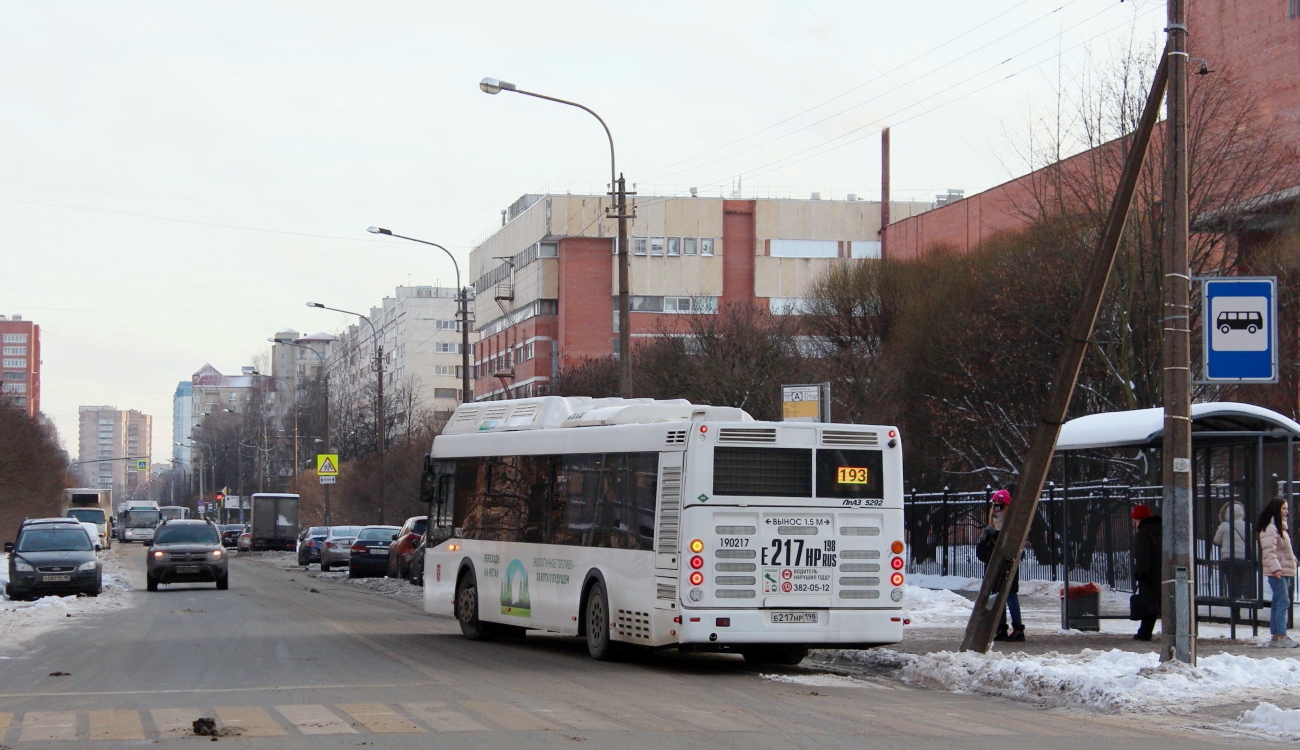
(1277, 558)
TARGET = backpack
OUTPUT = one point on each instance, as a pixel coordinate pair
(984, 549)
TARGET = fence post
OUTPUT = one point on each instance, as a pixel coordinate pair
(1108, 539)
(944, 569)
(1053, 532)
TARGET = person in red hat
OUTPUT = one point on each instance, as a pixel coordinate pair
(1148, 545)
(1001, 500)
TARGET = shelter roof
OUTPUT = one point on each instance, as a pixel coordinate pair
(1144, 426)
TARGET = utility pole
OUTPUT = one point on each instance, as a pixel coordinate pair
(467, 389)
(1178, 624)
(1005, 561)
(619, 192)
(381, 424)
(327, 444)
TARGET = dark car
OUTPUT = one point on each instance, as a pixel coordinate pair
(52, 556)
(370, 551)
(187, 551)
(230, 534)
(310, 543)
(402, 550)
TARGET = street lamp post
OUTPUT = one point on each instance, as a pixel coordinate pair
(618, 192)
(380, 425)
(467, 391)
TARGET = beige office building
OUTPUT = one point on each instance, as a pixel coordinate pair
(111, 442)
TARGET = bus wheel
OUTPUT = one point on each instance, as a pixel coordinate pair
(596, 619)
(787, 655)
(467, 611)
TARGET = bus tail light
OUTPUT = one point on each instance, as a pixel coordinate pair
(678, 619)
(896, 548)
(723, 622)
(896, 579)
(697, 578)
(697, 562)
(896, 563)
(697, 546)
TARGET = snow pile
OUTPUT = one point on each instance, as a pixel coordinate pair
(393, 588)
(1267, 717)
(820, 680)
(936, 608)
(22, 621)
(1099, 680)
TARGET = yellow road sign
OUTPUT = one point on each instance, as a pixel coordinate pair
(327, 464)
(142, 464)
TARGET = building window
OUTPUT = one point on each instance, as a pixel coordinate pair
(15, 351)
(15, 376)
(15, 338)
(706, 246)
(13, 388)
(688, 246)
(787, 305)
(805, 249)
(446, 325)
(639, 245)
(656, 245)
(528, 350)
(548, 250)
(866, 249)
(674, 246)
(444, 393)
(19, 364)
(443, 347)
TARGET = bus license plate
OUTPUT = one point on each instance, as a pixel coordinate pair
(56, 579)
(183, 569)
(795, 618)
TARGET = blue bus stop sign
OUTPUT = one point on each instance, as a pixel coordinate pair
(1240, 329)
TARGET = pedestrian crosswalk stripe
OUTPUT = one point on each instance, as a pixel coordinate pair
(509, 717)
(442, 719)
(379, 718)
(575, 718)
(315, 719)
(121, 724)
(5, 720)
(44, 726)
(173, 721)
(249, 721)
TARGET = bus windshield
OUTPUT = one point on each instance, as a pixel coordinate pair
(87, 515)
(142, 519)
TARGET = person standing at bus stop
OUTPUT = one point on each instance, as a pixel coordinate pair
(1001, 500)
(1148, 556)
(1278, 560)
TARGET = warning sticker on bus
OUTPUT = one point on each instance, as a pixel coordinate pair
(796, 581)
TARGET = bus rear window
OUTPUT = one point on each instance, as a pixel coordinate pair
(849, 473)
(763, 472)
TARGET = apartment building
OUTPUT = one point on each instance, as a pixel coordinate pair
(20, 368)
(110, 442)
(546, 283)
(182, 421)
(421, 341)
(211, 391)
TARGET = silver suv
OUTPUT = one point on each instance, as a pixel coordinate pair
(187, 551)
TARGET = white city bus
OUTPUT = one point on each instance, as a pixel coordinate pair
(665, 524)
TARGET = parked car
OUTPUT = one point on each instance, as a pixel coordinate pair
(402, 550)
(245, 542)
(368, 555)
(92, 530)
(187, 551)
(309, 544)
(52, 556)
(337, 547)
(230, 534)
(415, 572)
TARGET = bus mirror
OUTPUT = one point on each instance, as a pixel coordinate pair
(428, 485)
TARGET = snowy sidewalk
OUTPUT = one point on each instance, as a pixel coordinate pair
(21, 622)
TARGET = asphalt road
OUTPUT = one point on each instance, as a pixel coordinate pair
(280, 666)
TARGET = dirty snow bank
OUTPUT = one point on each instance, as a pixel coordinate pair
(1107, 681)
(394, 588)
(22, 621)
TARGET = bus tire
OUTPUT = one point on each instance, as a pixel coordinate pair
(595, 617)
(467, 610)
(785, 655)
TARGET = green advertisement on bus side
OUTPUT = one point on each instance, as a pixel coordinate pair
(514, 591)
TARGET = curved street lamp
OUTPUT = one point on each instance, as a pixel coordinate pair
(617, 190)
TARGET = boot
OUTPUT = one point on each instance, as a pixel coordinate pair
(1017, 635)
(1002, 633)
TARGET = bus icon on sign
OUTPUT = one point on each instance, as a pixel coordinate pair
(1239, 320)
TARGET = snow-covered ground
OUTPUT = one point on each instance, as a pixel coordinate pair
(22, 621)
(390, 587)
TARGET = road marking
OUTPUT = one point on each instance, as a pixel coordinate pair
(315, 719)
(378, 718)
(717, 720)
(508, 716)
(250, 721)
(438, 716)
(176, 720)
(44, 726)
(266, 688)
(123, 724)
(576, 719)
(5, 720)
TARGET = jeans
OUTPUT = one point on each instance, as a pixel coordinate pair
(1013, 604)
(1281, 605)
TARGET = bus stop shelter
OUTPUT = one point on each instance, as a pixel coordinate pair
(1242, 457)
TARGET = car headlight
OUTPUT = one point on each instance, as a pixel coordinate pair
(88, 565)
(215, 554)
(159, 554)
(23, 566)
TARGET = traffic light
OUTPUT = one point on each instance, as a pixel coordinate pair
(220, 498)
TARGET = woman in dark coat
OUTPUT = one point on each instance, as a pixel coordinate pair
(1148, 544)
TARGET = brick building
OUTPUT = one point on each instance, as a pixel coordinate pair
(20, 370)
(1255, 42)
(546, 283)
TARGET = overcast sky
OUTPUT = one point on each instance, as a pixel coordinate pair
(178, 178)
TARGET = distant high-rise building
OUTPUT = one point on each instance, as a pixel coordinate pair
(111, 441)
(20, 369)
(182, 421)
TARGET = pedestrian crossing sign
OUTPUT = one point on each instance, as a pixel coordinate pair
(327, 464)
(142, 464)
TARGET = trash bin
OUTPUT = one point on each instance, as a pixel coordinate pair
(1081, 608)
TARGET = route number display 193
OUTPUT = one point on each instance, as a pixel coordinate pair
(852, 475)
